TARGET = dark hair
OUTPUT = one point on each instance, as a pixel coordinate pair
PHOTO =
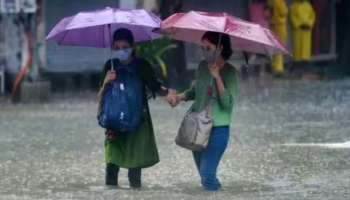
(124, 34)
(213, 37)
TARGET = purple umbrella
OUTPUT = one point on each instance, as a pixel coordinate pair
(94, 29)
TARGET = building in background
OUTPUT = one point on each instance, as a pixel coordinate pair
(18, 21)
(343, 39)
(63, 59)
(19, 18)
(325, 30)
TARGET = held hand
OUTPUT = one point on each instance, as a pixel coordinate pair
(178, 99)
(173, 98)
(111, 76)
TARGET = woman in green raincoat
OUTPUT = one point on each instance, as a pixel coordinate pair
(136, 150)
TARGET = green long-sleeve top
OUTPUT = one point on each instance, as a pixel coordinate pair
(222, 105)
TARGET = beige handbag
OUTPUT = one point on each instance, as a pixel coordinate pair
(195, 129)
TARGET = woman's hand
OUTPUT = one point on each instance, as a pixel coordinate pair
(215, 71)
(171, 97)
(110, 76)
(215, 68)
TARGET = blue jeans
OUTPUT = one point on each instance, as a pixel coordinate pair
(207, 161)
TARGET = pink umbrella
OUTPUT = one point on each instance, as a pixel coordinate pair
(245, 36)
(94, 29)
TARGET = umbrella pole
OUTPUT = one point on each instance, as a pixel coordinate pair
(218, 44)
(111, 46)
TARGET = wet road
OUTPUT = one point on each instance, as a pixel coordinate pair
(290, 140)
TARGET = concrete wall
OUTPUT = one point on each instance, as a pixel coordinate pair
(11, 42)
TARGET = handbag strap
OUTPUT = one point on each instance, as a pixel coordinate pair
(209, 98)
(213, 90)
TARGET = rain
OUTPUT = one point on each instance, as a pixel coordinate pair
(282, 66)
(289, 140)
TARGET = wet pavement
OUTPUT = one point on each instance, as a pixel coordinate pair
(289, 140)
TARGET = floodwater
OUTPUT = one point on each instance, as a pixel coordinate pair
(289, 140)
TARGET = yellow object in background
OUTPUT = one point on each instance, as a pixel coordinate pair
(303, 19)
(279, 15)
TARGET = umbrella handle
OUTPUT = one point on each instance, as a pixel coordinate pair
(111, 40)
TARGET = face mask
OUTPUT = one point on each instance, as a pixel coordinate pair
(123, 54)
(210, 55)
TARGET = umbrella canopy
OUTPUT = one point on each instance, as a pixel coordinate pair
(94, 29)
(245, 36)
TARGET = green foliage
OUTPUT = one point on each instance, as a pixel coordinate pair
(155, 51)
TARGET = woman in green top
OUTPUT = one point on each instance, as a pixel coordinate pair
(217, 80)
(136, 150)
